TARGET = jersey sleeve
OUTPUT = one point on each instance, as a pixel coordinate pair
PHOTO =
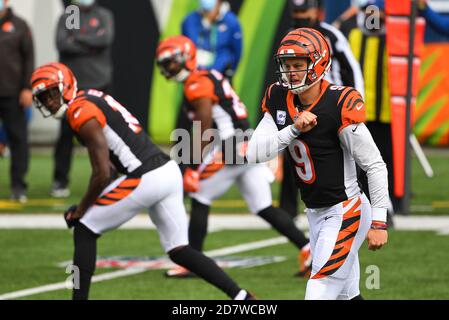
(352, 108)
(81, 111)
(266, 99)
(200, 87)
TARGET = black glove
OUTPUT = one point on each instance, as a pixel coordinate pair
(70, 223)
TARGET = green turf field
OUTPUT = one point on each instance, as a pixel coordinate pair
(412, 266)
(430, 196)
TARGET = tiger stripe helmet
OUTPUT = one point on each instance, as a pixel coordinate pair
(304, 43)
(181, 50)
(53, 75)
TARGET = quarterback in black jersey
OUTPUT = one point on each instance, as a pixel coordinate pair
(322, 127)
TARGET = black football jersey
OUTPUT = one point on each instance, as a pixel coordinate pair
(325, 173)
(130, 149)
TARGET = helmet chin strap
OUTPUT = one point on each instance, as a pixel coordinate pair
(62, 109)
(307, 87)
(61, 112)
(182, 75)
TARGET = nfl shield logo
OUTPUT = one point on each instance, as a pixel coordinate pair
(280, 117)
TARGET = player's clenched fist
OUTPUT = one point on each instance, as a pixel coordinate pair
(306, 121)
(376, 239)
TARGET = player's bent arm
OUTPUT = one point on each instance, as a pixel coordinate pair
(357, 139)
(266, 141)
(92, 134)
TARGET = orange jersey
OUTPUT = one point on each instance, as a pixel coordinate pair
(320, 162)
(229, 112)
(130, 149)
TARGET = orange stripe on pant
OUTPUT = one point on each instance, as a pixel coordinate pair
(118, 193)
(345, 238)
(211, 169)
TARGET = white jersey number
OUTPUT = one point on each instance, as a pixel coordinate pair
(132, 122)
(237, 105)
(303, 161)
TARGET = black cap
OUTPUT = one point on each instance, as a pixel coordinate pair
(303, 4)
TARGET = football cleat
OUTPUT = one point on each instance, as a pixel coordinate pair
(305, 263)
(179, 272)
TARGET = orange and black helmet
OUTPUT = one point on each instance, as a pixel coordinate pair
(176, 57)
(305, 43)
(53, 75)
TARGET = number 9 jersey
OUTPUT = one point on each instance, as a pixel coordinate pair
(325, 172)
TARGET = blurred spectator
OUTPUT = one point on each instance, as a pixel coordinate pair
(216, 32)
(4, 142)
(16, 66)
(87, 51)
(367, 40)
(438, 22)
(345, 71)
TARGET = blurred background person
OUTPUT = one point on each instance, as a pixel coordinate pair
(345, 71)
(217, 34)
(368, 42)
(16, 66)
(87, 51)
(438, 22)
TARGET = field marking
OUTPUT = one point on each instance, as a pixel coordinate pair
(63, 285)
(132, 271)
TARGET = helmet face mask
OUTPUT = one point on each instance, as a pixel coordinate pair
(53, 86)
(293, 71)
(176, 58)
(170, 66)
(49, 101)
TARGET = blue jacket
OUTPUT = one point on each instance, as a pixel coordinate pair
(223, 40)
(436, 21)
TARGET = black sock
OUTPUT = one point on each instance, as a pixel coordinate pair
(198, 225)
(284, 224)
(205, 268)
(84, 258)
(359, 297)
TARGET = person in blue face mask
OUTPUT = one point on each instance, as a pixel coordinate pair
(16, 66)
(438, 22)
(217, 33)
(87, 51)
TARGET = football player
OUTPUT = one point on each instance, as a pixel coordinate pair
(326, 137)
(213, 102)
(150, 180)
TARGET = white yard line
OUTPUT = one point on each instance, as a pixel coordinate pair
(132, 271)
(217, 222)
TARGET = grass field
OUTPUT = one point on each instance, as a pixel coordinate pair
(412, 266)
(429, 195)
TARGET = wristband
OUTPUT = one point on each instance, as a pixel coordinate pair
(378, 225)
(295, 131)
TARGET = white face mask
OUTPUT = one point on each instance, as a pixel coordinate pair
(207, 5)
(84, 3)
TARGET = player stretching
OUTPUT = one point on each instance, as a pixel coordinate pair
(150, 180)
